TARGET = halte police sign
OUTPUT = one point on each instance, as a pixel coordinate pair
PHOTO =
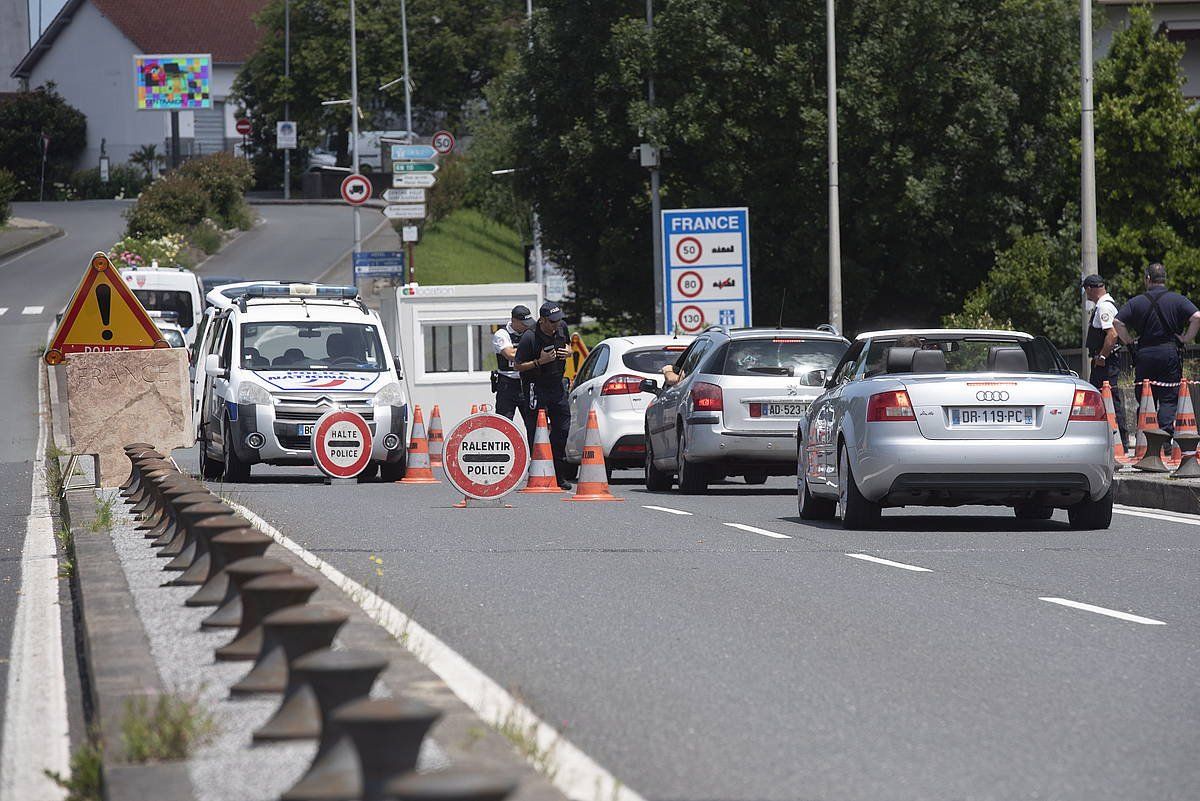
(485, 456)
(341, 444)
(706, 257)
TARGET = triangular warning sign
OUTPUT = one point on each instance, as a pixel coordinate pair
(103, 315)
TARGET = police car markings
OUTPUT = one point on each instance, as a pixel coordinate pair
(667, 510)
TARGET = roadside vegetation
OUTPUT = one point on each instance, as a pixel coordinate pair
(468, 248)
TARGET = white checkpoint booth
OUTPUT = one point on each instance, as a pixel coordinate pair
(443, 335)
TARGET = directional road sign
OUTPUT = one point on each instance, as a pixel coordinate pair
(404, 195)
(414, 166)
(485, 456)
(413, 153)
(706, 260)
(412, 211)
(356, 189)
(413, 179)
(443, 142)
(375, 263)
(341, 444)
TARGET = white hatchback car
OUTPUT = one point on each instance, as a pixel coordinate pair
(609, 382)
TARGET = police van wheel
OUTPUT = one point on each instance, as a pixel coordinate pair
(234, 468)
(391, 471)
(369, 472)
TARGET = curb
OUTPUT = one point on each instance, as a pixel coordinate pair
(50, 232)
(1162, 494)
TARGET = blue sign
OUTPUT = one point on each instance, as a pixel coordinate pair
(413, 153)
(379, 263)
(706, 265)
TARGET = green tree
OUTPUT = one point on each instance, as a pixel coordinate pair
(24, 118)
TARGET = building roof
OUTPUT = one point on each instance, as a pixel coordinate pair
(224, 28)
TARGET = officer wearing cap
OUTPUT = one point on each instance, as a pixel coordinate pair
(1165, 322)
(541, 359)
(1102, 343)
(510, 395)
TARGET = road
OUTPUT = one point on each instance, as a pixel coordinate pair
(295, 241)
(696, 660)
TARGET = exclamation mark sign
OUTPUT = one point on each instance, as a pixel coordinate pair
(104, 301)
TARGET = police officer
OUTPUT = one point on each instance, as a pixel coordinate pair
(1102, 343)
(541, 360)
(510, 394)
(1159, 317)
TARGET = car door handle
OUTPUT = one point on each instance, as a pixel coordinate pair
(590, 390)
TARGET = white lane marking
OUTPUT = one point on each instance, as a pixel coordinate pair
(576, 774)
(3, 310)
(754, 530)
(1180, 518)
(1100, 610)
(32, 310)
(35, 720)
(866, 557)
(667, 510)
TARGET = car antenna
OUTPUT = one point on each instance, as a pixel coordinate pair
(782, 300)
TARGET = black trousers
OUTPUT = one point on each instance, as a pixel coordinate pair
(1109, 373)
(510, 398)
(558, 415)
(1161, 363)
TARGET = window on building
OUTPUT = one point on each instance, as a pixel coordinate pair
(458, 347)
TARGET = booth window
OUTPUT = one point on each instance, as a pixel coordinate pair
(458, 348)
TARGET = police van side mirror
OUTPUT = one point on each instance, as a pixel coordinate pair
(649, 385)
(212, 366)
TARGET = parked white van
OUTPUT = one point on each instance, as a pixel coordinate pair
(169, 290)
(277, 358)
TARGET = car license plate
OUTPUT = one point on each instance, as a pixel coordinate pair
(778, 409)
(304, 429)
(991, 416)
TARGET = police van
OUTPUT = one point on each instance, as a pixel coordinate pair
(169, 289)
(276, 358)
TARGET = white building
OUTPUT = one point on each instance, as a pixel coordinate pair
(87, 50)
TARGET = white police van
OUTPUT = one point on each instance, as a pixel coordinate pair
(169, 289)
(278, 357)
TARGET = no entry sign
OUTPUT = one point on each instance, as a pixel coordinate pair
(341, 444)
(485, 456)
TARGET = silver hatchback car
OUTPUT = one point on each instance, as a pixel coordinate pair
(735, 405)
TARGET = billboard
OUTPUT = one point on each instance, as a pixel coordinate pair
(174, 82)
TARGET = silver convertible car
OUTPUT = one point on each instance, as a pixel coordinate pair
(953, 417)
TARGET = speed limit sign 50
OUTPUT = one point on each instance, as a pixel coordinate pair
(688, 250)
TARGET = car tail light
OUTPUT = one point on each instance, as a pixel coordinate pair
(707, 397)
(888, 406)
(622, 385)
(1088, 406)
(633, 447)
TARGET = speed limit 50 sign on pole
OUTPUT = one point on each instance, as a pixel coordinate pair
(706, 257)
(485, 457)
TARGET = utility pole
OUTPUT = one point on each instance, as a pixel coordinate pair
(287, 105)
(660, 321)
(535, 228)
(407, 84)
(354, 121)
(835, 235)
(1087, 154)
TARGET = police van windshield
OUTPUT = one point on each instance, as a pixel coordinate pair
(169, 301)
(782, 356)
(311, 346)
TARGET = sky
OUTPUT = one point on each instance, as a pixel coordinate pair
(48, 8)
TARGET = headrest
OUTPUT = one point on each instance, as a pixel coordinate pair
(1007, 359)
(899, 360)
(929, 361)
(337, 345)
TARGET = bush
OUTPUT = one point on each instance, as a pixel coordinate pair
(24, 118)
(225, 178)
(206, 236)
(172, 204)
(123, 181)
(8, 190)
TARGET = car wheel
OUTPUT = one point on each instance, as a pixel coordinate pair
(234, 468)
(756, 478)
(693, 478)
(392, 471)
(857, 511)
(210, 469)
(1033, 511)
(656, 480)
(1089, 515)
(809, 506)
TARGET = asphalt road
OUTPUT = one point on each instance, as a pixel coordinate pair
(696, 660)
(292, 242)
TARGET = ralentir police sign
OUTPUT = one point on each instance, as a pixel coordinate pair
(706, 258)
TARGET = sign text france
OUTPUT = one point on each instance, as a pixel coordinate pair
(706, 258)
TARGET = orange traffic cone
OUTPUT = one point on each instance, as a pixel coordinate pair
(437, 440)
(418, 471)
(474, 408)
(541, 465)
(1111, 410)
(1147, 419)
(485, 408)
(1185, 422)
(593, 478)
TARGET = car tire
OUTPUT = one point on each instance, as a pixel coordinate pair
(234, 469)
(210, 469)
(857, 512)
(693, 478)
(392, 471)
(756, 478)
(369, 472)
(656, 480)
(1089, 515)
(809, 506)
(1032, 511)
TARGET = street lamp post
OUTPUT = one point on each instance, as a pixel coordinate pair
(652, 154)
(354, 121)
(1087, 158)
(535, 231)
(287, 107)
(835, 236)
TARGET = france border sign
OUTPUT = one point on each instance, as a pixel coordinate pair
(341, 444)
(706, 261)
(485, 456)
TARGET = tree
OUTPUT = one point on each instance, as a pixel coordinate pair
(24, 119)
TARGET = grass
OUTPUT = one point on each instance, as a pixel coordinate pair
(84, 783)
(104, 513)
(468, 248)
(524, 739)
(165, 728)
(66, 562)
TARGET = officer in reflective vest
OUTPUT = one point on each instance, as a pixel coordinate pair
(506, 381)
(1102, 343)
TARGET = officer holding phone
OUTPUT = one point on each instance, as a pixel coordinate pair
(541, 359)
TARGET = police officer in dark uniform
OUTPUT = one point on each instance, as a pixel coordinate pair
(1160, 318)
(541, 360)
(1102, 344)
(506, 381)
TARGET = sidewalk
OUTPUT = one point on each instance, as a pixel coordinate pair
(21, 234)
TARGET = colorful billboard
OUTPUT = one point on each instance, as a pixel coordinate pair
(172, 82)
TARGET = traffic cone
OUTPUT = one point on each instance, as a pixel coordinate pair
(1111, 410)
(1185, 423)
(593, 478)
(541, 464)
(474, 408)
(485, 408)
(418, 470)
(1147, 419)
(437, 440)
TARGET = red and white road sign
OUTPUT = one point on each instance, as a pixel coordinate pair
(485, 456)
(688, 250)
(341, 444)
(356, 189)
(244, 127)
(443, 142)
(689, 284)
(691, 319)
